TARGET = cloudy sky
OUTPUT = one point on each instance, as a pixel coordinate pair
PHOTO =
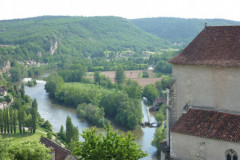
(227, 9)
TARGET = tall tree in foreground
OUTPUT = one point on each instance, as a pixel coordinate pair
(120, 75)
(34, 115)
(107, 146)
(71, 131)
(15, 121)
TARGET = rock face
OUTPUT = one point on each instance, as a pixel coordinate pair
(5, 68)
(54, 46)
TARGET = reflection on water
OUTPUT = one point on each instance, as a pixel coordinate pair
(57, 114)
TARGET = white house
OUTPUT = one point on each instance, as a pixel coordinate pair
(203, 104)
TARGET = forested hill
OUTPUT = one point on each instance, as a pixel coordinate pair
(178, 30)
(86, 36)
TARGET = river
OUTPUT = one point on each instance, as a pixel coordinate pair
(56, 114)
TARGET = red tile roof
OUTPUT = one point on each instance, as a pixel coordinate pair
(209, 124)
(215, 45)
(60, 152)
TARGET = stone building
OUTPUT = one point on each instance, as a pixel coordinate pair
(203, 104)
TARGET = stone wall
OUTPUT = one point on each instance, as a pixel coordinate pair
(207, 86)
(186, 147)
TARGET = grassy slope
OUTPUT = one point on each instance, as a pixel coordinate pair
(26, 136)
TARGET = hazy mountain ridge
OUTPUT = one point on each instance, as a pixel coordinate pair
(178, 30)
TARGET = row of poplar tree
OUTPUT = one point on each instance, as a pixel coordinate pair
(22, 114)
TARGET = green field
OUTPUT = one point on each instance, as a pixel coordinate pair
(19, 137)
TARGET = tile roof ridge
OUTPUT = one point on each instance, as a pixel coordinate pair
(66, 150)
(212, 109)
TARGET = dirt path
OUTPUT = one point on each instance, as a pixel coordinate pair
(41, 132)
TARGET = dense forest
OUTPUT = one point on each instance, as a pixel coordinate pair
(37, 38)
(178, 30)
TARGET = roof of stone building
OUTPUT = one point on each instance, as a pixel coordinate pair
(209, 124)
(60, 152)
(215, 46)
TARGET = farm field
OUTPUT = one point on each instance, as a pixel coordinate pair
(134, 75)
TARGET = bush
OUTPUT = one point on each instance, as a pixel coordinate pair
(145, 75)
(47, 125)
(92, 113)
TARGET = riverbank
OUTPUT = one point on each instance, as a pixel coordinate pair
(56, 114)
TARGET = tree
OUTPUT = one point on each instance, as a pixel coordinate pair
(1, 121)
(29, 150)
(53, 85)
(163, 67)
(133, 89)
(161, 114)
(34, 115)
(92, 113)
(150, 92)
(47, 125)
(107, 146)
(97, 77)
(120, 75)
(159, 136)
(62, 133)
(11, 119)
(15, 74)
(22, 91)
(15, 121)
(70, 130)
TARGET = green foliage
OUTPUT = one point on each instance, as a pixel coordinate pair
(62, 133)
(77, 93)
(75, 73)
(53, 85)
(8, 97)
(120, 75)
(133, 89)
(31, 83)
(145, 75)
(47, 125)
(49, 135)
(92, 113)
(28, 150)
(108, 146)
(71, 131)
(161, 114)
(165, 81)
(4, 145)
(159, 136)
(34, 115)
(97, 77)
(33, 38)
(178, 30)
(163, 67)
(150, 92)
(17, 73)
(125, 111)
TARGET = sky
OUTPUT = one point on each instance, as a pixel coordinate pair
(131, 9)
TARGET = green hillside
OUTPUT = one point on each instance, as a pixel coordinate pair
(75, 36)
(178, 30)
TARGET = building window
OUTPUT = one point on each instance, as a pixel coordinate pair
(231, 155)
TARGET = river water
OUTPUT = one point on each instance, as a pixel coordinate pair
(57, 114)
